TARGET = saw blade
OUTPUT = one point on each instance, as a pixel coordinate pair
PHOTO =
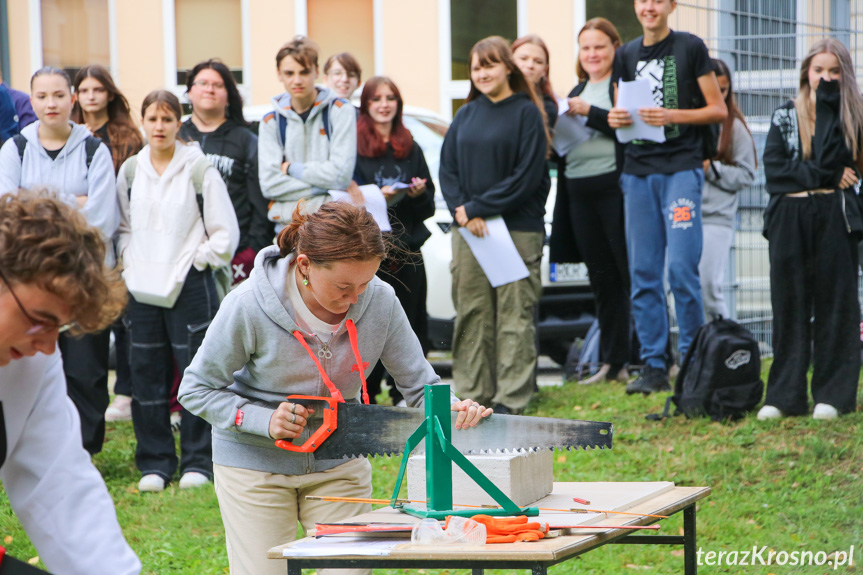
(370, 430)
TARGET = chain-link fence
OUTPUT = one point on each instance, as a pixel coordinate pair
(763, 43)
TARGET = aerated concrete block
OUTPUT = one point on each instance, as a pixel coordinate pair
(523, 477)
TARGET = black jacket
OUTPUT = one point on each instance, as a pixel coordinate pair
(787, 173)
(406, 216)
(562, 247)
(233, 149)
(493, 162)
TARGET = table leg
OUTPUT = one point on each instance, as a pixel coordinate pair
(539, 570)
(479, 571)
(293, 568)
(690, 566)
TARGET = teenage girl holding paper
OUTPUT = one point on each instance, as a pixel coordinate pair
(493, 163)
(388, 155)
(588, 214)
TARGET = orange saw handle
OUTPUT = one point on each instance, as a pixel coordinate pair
(321, 433)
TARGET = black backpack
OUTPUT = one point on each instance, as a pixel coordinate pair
(709, 132)
(720, 375)
(91, 145)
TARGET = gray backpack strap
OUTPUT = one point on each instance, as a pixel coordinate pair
(91, 145)
(129, 173)
(199, 169)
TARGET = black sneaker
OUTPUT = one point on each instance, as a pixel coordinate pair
(652, 379)
(502, 409)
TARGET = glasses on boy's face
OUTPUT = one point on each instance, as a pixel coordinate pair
(339, 74)
(38, 326)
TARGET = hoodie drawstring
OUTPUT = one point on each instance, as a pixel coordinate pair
(360, 366)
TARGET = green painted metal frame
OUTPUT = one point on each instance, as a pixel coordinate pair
(440, 455)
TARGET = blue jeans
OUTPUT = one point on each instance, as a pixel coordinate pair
(663, 215)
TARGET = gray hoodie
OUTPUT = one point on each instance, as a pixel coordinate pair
(318, 162)
(68, 176)
(250, 360)
(719, 199)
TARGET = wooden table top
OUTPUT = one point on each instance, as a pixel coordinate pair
(549, 549)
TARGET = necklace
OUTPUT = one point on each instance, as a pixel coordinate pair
(324, 352)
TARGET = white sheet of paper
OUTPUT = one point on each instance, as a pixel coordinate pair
(342, 546)
(632, 96)
(569, 132)
(375, 204)
(496, 253)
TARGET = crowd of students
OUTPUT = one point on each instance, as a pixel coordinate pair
(189, 210)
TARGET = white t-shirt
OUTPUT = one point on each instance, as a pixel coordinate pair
(306, 320)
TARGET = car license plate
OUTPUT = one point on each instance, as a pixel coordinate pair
(567, 272)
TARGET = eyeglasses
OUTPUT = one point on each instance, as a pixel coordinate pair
(209, 85)
(39, 326)
(338, 74)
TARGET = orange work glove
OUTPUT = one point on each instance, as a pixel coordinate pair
(510, 529)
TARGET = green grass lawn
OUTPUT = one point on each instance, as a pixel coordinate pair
(794, 484)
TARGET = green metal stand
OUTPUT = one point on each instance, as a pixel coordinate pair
(440, 455)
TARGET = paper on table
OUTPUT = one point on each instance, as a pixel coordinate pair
(375, 203)
(341, 546)
(496, 253)
(632, 96)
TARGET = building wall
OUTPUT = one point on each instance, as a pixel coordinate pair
(19, 45)
(407, 44)
(410, 50)
(553, 21)
(272, 23)
(343, 26)
(140, 67)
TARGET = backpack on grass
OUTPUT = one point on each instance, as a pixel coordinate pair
(721, 374)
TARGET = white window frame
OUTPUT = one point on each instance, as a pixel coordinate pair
(458, 89)
(759, 79)
(34, 9)
(169, 25)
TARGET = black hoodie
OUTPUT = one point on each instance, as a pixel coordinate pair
(786, 172)
(493, 162)
(233, 150)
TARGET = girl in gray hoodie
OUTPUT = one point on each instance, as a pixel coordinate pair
(292, 329)
(730, 171)
(55, 154)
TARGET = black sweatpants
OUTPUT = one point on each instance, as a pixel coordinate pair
(159, 337)
(409, 281)
(85, 364)
(123, 383)
(813, 272)
(596, 216)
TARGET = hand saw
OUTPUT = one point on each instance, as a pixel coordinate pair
(357, 430)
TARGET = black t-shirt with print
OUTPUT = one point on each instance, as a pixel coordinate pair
(673, 88)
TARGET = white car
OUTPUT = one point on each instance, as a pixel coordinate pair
(566, 307)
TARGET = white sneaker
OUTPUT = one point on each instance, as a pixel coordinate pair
(824, 411)
(120, 409)
(193, 479)
(151, 483)
(176, 419)
(769, 412)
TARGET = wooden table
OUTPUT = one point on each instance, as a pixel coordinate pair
(537, 556)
